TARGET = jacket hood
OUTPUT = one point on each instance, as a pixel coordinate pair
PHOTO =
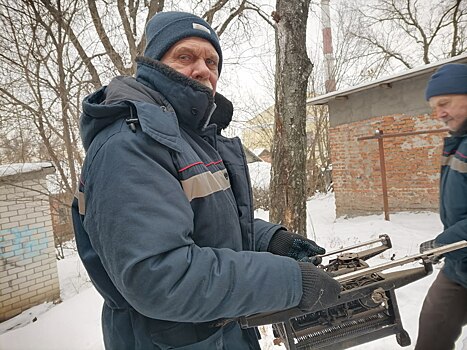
(108, 104)
(156, 90)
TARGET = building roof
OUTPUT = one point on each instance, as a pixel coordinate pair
(20, 171)
(250, 156)
(385, 81)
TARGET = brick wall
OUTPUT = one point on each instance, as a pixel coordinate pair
(28, 268)
(412, 165)
(60, 213)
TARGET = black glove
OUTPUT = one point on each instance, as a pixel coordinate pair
(289, 244)
(319, 289)
(428, 245)
(431, 244)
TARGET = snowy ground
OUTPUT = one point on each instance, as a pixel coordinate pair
(75, 323)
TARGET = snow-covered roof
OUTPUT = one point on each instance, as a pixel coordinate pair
(14, 169)
(382, 82)
(250, 156)
(258, 151)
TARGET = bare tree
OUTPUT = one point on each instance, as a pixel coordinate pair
(373, 38)
(43, 86)
(411, 32)
(293, 67)
(357, 61)
(55, 52)
(318, 170)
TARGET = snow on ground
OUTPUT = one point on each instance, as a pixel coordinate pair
(74, 324)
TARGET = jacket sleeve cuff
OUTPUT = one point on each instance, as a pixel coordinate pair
(263, 233)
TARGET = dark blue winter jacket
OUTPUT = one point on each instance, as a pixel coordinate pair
(453, 205)
(166, 229)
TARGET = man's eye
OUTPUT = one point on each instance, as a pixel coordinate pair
(211, 62)
(184, 58)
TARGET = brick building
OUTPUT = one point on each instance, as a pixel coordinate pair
(395, 105)
(61, 217)
(28, 268)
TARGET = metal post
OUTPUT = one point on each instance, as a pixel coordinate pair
(382, 163)
(380, 136)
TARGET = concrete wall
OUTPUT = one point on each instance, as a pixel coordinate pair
(28, 268)
(405, 96)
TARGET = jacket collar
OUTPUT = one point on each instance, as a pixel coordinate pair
(462, 130)
(193, 102)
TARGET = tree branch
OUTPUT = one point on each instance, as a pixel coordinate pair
(239, 10)
(155, 6)
(209, 15)
(113, 55)
(261, 13)
(127, 29)
(385, 50)
(95, 79)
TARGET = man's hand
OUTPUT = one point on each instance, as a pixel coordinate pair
(300, 248)
(429, 245)
(320, 290)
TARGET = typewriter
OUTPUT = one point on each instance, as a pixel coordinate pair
(367, 308)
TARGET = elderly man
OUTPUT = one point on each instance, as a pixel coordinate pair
(444, 310)
(164, 219)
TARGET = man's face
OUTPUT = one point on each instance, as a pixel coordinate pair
(450, 109)
(195, 58)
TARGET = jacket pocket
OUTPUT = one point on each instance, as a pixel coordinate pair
(213, 342)
(229, 337)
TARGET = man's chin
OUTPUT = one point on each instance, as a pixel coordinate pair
(210, 87)
(450, 125)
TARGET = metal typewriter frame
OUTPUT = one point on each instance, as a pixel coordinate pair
(364, 288)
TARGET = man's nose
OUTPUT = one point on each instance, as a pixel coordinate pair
(440, 112)
(200, 70)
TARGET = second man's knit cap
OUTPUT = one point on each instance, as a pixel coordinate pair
(450, 79)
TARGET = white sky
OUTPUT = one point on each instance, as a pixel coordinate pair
(249, 83)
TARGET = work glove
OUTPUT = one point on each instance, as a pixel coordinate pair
(289, 244)
(458, 254)
(320, 290)
(431, 244)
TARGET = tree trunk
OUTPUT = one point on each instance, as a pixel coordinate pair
(293, 67)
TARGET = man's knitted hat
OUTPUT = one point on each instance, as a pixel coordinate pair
(450, 79)
(165, 29)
